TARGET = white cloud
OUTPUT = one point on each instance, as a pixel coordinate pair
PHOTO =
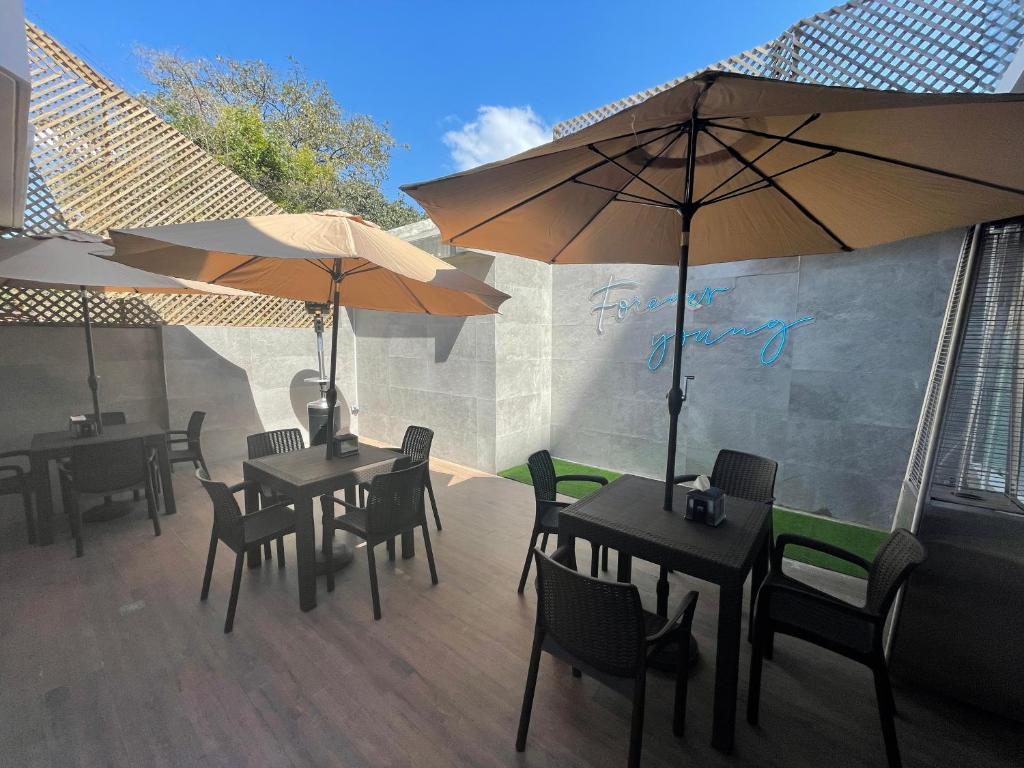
(497, 133)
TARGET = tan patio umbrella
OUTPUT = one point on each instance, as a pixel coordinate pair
(726, 167)
(329, 256)
(71, 259)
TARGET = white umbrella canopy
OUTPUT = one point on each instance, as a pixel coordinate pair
(72, 259)
(727, 167)
(327, 256)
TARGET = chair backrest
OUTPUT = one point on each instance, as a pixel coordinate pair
(542, 473)
(900, 554)
(274, 442)
(599, 622)
(227, 517)
(745, 475)
(103, 467)
(416, 443)
(110, 418)
(195, 426)
(395, 501)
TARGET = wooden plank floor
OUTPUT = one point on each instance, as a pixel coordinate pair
(111, 660)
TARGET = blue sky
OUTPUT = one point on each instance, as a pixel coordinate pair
(460, 83)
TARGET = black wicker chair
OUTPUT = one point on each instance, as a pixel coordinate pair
(545, 521)
(794, 608)
(192, 451)
(394, 506)
(746, 476)
(16, 479)
(241, 532)
(415, 444)
(600, 628)
(107, 468)
(272, 443)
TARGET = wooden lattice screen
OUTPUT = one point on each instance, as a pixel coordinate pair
(102, 159)
(911, 45)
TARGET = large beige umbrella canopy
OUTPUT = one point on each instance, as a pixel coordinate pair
(329, 256)
(72, 259)
(726, 167)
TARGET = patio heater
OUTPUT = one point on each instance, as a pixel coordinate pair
(318, 410)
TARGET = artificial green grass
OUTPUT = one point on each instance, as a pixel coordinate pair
(858, 539)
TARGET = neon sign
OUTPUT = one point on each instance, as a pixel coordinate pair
(622, 308)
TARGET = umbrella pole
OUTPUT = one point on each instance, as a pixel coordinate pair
(94, 383)
(332, 392)
(676, 395)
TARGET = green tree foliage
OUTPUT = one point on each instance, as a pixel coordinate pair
(287, 136)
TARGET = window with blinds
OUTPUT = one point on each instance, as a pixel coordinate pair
(980, 443)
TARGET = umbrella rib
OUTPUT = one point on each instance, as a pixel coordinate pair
(753, 185)
(320, 265)
(608, 202)
(872, 156)
(637, 176)
(774, 146)
(771, 182)
(235, 268)
(401, 282)
(638, 198)
(553, 187)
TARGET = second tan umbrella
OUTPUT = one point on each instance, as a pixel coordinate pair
(325, 257)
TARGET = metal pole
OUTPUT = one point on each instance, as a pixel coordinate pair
(332, 392)
(675, 395)
(94, 382)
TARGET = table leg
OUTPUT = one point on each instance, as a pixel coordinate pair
(662, 592)
(305, 552)
(624, 571)
(727, 662)
(170, 506)
(44, 499)
(569, 542)
(252, 504)
(757, 576)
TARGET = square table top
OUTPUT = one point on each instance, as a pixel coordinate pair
(627, 515)
(310, 472)
(64, 441)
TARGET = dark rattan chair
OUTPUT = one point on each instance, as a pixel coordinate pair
(104, 469)
(545, 521)
(794, 608)
(272, 443)
(16, 479)
(600, 628)
(240, 532)
(394, 506)
(746, 476)
(416, 444)
(189, 438)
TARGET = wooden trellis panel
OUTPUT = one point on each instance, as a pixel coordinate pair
(102, 159)
(911, 45)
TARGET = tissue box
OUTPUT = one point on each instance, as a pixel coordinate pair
(706, 507)
(346, 445)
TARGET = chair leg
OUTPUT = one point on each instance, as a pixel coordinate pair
(208, 574)
(604, 558)
(636, 730)
(236, 581)
(886, 712)
(682, 685)
(374, 592)
(76, 524)
(577, 672)
(280, 551)
(430, 552)
(595, 556)
(202, 461)
(266, 551)
(529, 560)
(328, 551)
(30, 517)
(433, 502)
(544, 542)
(391, 549)
(761, 635)
(531, 687)
(151, 507)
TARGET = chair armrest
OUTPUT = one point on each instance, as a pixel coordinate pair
(555, 504)
(244, 485)
(246, 518)
(582, 478)
(346, 504)
(12, 454)
(683, 617)
(785, 539)
(684, 479)
(19, 471)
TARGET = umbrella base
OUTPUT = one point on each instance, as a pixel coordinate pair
(101, 513)
(666, 660)
(343, 556)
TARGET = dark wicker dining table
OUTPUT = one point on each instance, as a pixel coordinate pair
(627, 515)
